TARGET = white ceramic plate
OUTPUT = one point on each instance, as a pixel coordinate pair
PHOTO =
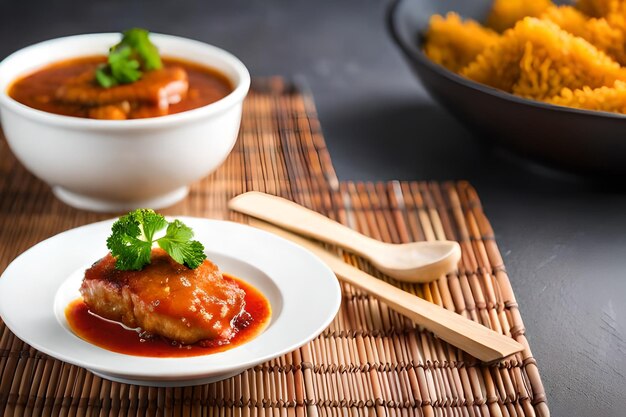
(303, 292)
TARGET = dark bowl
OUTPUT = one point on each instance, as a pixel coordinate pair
(576, 140)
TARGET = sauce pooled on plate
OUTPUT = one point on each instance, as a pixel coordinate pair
(113, 336)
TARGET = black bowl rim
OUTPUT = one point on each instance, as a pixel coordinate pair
(422, 59)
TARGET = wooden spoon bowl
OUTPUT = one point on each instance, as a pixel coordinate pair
(410, 262)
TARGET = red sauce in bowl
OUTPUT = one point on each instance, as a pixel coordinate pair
(39, 89)
(113, 336)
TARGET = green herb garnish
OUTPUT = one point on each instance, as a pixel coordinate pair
(129, 59)
(133, 235)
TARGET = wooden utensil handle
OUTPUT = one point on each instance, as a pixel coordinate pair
(475, 339)
(301, 220)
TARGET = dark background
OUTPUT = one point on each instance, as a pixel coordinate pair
(563, 238)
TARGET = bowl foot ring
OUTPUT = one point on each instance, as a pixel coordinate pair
(83, 202)
(168, 383)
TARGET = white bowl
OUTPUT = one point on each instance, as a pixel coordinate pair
(119, 165)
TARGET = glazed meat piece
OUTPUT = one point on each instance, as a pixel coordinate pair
(110, 111)
(165, 298)
(157, 88)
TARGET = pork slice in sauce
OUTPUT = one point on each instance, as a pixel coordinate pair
(166, 298)
(118, 111)
(151, 95)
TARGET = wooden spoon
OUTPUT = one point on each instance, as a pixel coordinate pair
(474, 338)
(410, 262)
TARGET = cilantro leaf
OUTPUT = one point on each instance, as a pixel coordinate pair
(123, 67)
(150, 221)
(128, 59)
(126, 243)
(133, 236)
(104, 78)
(177, 242)
(139, 40)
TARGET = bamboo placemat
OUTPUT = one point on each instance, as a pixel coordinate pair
(369, 362)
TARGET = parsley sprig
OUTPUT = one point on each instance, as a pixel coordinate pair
(134, 235)
(129, 59)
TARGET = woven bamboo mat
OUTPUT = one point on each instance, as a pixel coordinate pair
(369, 362)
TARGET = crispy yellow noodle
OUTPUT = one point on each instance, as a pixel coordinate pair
(598, 8)
(565, 55)
(610, 99)
(454, 43)
(607, 34)
(536, 59)
(505, 13)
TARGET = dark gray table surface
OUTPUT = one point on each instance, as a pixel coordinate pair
(563, 238)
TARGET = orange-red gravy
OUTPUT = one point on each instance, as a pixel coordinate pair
(112, 336)
(38, 90)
